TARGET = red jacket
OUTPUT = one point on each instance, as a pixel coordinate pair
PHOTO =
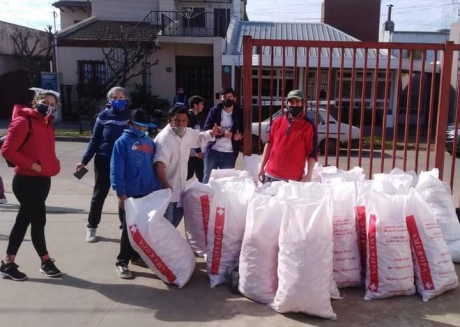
(39, 148)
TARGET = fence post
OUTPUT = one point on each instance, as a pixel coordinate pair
(247, 94)
(443, 107)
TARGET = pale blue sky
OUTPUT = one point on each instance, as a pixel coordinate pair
(408, 15)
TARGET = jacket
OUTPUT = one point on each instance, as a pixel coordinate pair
(215, 116)
(108, 128)
(131, 165)
(39, 147)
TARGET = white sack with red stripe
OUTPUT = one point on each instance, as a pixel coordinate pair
(389, 271)
(226, 227)
(196, 202)
(258, 262)
(305, 255)
(434, 270)
(156, 240)
(347, 265)
(439, 200)
(363, 191)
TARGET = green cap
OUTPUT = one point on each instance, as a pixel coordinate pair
(295, 94)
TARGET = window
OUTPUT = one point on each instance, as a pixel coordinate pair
(91, 76)
(193, 17)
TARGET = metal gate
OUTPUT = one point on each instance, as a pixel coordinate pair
(401, 96)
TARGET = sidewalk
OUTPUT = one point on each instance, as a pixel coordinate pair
(90, 293)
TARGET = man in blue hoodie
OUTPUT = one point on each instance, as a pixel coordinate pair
(132, 175)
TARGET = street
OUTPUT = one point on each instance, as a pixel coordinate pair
(91, 294)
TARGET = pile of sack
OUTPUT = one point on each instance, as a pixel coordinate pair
(294, 245)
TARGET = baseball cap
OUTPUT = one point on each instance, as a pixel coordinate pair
(141, 117)
(295, 94)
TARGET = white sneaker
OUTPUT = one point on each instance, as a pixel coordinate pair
(3, 200)
(123, 271)
(91, 235)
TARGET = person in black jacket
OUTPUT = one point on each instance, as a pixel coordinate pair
(195, 161)
(110, 124)
(229, 117)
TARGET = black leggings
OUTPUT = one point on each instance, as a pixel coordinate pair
(31, 192)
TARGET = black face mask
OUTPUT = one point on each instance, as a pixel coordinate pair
(228, 103)
(42, 108)
(294, 111)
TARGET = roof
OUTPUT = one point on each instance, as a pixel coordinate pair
(104, 30)
(71, 4)
(290, 31)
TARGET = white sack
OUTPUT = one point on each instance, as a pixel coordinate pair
(434, 270)
(305, 257)
(156, 240)
(251, 165)
(258, 262)
(347, 265)
(226, 226)
(196, 203)
(389, 270)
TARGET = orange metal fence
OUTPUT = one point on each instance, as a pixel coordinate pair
(401, 96)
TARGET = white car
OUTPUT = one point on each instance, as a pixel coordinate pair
(321, 128)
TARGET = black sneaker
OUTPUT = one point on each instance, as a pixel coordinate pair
(49, 268)
(10, 270)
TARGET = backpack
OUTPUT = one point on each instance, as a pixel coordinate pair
(3, 138)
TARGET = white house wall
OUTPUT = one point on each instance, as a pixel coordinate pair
(123, 10)
(69, 17)
(68, 61)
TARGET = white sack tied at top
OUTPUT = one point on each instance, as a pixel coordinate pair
(156, 240)
(229, 204)
(305, 256)
(258, 261)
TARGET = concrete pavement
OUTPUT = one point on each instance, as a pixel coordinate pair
(91, 294)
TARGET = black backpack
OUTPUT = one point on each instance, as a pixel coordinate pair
(3, 138)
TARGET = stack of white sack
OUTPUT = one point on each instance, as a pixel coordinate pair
(258, 262)
(156, 240)
(438, 196)
(226, 225)
(306, 253)
(434, 269)
(196, 203)
(389, 270)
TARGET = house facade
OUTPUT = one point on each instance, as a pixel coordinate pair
(188, 36)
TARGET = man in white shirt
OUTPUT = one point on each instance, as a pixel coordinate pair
(171, 159)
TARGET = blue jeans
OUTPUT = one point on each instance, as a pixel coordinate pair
(217, 160)
(174, 214)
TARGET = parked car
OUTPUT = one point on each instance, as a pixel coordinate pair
(333, 138)
(450, 136)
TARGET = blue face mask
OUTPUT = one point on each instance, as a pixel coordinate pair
(118, 104)
(136, 132)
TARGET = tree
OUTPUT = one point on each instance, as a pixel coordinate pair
(36, 48)
(127, 52)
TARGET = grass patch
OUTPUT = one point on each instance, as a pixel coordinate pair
(71, 133)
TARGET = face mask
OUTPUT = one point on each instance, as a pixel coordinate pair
(228, 103)
(118, 104)
(294, 111)
(136, 132)
(179, 130)
(44, 109)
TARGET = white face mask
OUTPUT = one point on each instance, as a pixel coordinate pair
(179, 130)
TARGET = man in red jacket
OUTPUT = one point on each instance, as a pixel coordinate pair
(291, 145)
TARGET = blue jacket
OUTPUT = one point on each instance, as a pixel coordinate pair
(131, 165)
(215, 116)
(108, 128)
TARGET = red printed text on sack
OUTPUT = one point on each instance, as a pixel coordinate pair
(218, 239)
(373, 262)
(205, 209)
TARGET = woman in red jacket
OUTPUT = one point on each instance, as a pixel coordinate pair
(35, 161)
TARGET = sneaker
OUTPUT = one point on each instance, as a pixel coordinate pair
(49, 268)
(139, 262)
(91, 235)
(10, 270)
(123, 271)
(3, 199)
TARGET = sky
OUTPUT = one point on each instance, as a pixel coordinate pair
(408, 15)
